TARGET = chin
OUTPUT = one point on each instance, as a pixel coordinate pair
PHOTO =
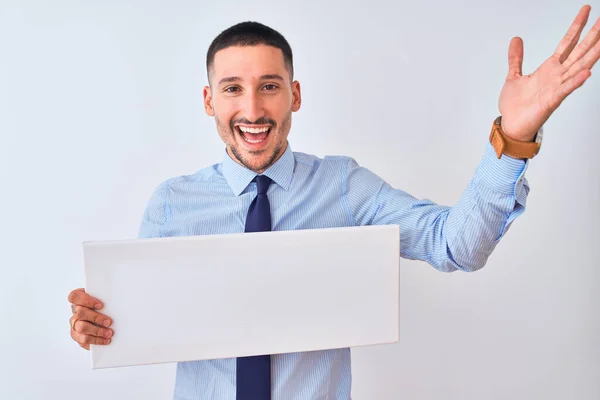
(251, 160)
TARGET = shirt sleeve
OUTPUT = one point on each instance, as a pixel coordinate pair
(450, 238)
(155, 214)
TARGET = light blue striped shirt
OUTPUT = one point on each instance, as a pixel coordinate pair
(311, 192)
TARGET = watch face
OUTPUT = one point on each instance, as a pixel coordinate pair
(539, 135)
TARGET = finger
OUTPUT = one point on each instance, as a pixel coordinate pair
(588, 43)
(81, 298)
(570, 85)
(573, 33)
(585, 63)
(75, 337)
(86, 314)
(85, 340)
(568, 51)
(515, 58)
(87, 328)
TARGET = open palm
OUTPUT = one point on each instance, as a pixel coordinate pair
(526, 102)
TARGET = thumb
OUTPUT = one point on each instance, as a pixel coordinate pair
(515, 58)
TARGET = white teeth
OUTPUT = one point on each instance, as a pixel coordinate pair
(253, 130)
(244, 129)
(252, 140)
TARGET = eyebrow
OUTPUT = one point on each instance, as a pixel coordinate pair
(230, 79)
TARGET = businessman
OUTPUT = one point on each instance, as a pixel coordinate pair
(261, 185)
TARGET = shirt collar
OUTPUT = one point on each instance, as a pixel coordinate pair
(238, 177)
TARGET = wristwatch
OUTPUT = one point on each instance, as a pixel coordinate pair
(505, 145)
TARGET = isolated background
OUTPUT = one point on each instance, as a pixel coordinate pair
(102, 100)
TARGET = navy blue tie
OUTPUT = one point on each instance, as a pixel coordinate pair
(253, 374)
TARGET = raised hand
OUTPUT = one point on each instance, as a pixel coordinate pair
(526, 102)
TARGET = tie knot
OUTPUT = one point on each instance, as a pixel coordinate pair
(262, 183)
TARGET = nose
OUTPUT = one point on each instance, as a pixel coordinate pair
(253, 107)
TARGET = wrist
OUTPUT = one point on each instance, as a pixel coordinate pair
(521, 137)
(519, 149)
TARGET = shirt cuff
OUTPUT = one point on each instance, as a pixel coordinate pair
(502, 175)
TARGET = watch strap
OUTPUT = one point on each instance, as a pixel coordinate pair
(503, 144)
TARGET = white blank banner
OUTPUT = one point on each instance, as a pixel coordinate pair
(218, 296)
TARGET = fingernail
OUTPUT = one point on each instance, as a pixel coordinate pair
(106, 341)
(106, 322)
(97, 306)
(108, 334)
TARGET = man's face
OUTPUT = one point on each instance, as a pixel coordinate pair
(252, 99)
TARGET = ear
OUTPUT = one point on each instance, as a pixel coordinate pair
(208, 107)
(296, 96)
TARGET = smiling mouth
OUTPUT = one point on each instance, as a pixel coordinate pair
(253, 135)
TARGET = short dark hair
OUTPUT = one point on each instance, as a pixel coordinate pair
(250, 33)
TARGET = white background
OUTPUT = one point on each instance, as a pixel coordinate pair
(102, 100)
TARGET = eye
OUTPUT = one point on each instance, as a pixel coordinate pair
(231, 89)
(269, 87)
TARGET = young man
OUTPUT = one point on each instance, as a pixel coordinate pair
(262, 185)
